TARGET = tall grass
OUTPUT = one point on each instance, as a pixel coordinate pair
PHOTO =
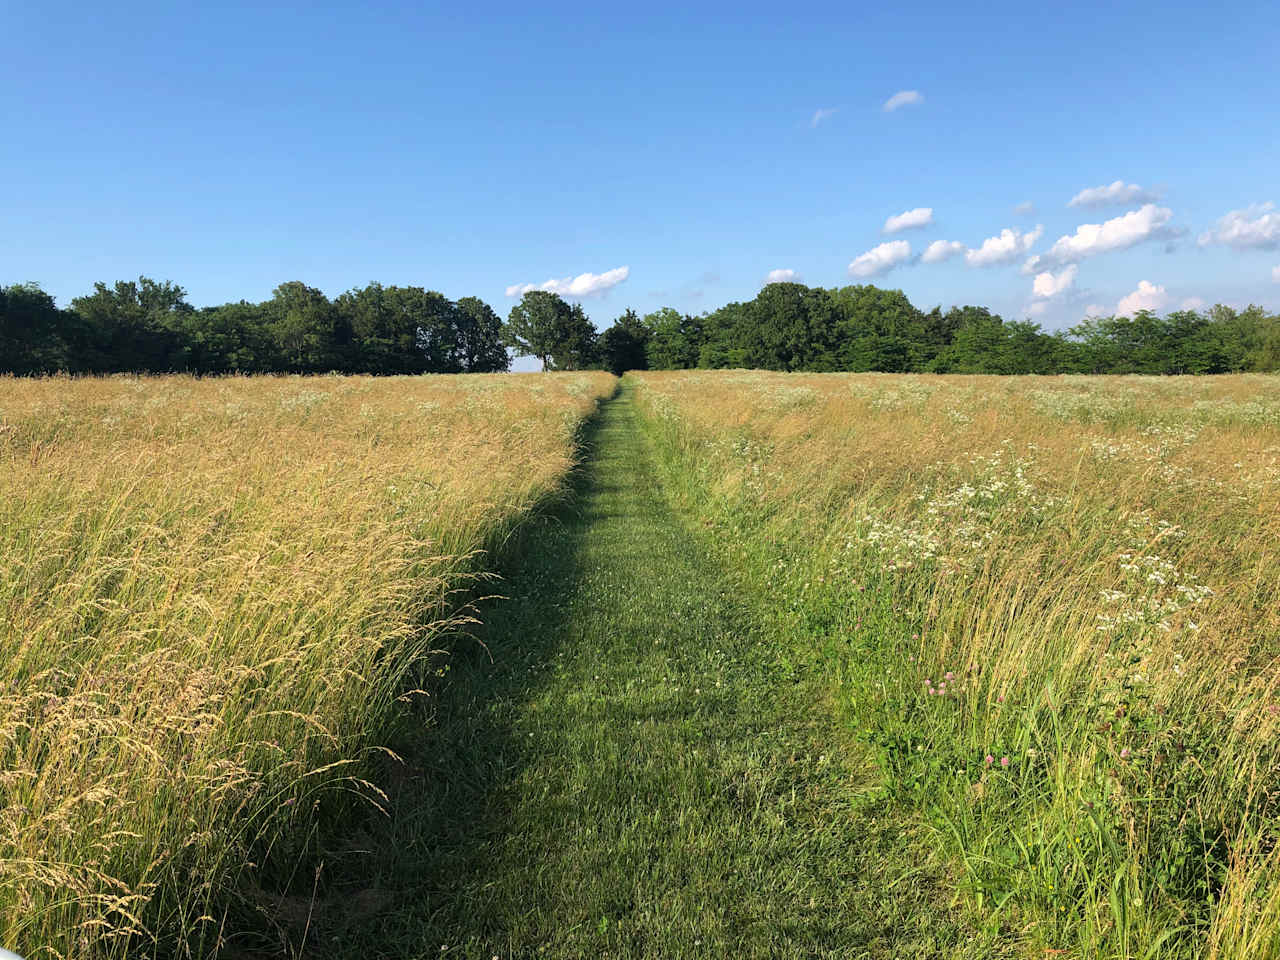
(1058, 606)
(212, 593)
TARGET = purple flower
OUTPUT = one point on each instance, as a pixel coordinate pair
(1004, 761)
(949, 676)
(1124, 753)
(990, 759)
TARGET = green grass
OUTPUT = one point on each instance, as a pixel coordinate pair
(642, 761)
(1089, 798)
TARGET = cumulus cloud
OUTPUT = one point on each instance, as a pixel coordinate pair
(909, 220)
(822, 113)
(781, 276)
(1148, 296)
(1025, 209)
(880, 259)
(1090, 239)
(1254, 227)
(1193, 303)
(1037, 309)
(1050, 284)
(583, 285)
(1006, 247)
(941, 250)
(1095, 310)
(1275, 274)
(903, 98)
(1112, 194)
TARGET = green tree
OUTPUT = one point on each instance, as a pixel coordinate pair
(1092, 340)
(535, 324)
(232, 338)
(623, 345)
(147, 326)
(385, 324)
(978, 346)
(1189, 343)
(675, 340)
(135, 326)
(480, 348)
(435, 318)
(1265, 358)
(879, 330)
(789, 327)
(1244, 336)
(306, 329)
(1027, 349)
(32, 332)
(542, 325)
(722, 343)
(577, 348)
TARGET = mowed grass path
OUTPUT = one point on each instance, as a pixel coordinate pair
(630, 772)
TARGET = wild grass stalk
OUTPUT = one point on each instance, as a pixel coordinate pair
(212, 594)
(1060, 607)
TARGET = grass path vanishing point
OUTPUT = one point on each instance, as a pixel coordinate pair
(629, 771)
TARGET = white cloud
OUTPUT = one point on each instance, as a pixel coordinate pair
(1095, 310)
(941, 250)
(880, 259)
(1193, 303)
(903, 98)
(1148, 296)
(822, 113)
(1037, 309)
(909, 220)
(1090, 239)
(1256, 226)
(1049, 284)
(583, 285)
(781, 276)
(1275, 274)
(1025, 209)
(1118, 192)
(1004, 248)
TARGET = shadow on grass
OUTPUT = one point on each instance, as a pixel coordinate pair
(638, 756)
(459, 748)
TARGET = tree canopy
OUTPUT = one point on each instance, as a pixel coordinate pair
(543, 325)
(789, 326)
(622, 347)
(148, 326)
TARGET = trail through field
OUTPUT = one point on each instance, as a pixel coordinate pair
(629, 771)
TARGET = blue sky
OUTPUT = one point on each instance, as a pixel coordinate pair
(675, 154)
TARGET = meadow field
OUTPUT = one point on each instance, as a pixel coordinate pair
(1052, 604)
(212, 595)
(790, 665)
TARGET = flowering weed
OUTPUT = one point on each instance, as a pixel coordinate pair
(1052, 603)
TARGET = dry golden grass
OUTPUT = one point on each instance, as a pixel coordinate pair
(1097, 561)
(211, 594)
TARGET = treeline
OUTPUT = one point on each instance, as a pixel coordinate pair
(149, 327)
(789, 326)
